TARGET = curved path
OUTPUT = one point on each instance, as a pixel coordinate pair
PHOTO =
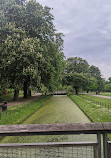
(22, 101)
(100, 96)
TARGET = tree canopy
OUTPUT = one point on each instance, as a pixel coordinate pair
(96, 73)
(75, 73)
(31, 50)
(80, 75)
(76, 65)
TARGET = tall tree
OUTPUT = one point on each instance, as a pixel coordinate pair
(108, 87)
(76, 73)
(76, 65)
(109, 80)
(35, 19)
(22, 57)
(76, 80)
(91, 84)
(96, 73)
(27, 23)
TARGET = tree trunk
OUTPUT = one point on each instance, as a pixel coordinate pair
(16, 94)
(97, 92)
(29, 93)
(25, 89)
(76, 90)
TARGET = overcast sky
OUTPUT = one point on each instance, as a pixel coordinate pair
(86, 25)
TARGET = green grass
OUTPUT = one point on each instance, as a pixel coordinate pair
(17, 114)
(9, 96)
(95, 99)
(58, 109)
(94, 112)
(106, 94)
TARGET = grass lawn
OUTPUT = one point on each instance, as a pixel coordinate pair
(106, 94)
(95, 112)
(58, 109)
(97, 100)
(17, 114)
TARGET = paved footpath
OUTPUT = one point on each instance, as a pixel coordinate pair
(22, 101)
(101, 96)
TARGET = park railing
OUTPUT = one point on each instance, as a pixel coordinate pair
(101, 148)
(98, 103)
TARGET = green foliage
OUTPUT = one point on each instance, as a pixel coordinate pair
(96, 73)
(68, 89)
(108, 85)
(91, 84)
(43, 90)
(77, 81)
(109, 80)
(35, 19)
(76, 65)
(31, 49)
(76, 73)
(21, 57)
(7, 95)
(106, 94)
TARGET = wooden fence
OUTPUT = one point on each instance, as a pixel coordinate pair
(101, 148)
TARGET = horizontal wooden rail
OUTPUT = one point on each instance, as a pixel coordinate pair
(54, 129)
(55, 144)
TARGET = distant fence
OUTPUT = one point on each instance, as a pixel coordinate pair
(60, 93)
(57, 149)
(16, 108)
(108, 106)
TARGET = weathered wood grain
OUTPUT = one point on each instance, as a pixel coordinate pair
(56, 129)
(55, 144)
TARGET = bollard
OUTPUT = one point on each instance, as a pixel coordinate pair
(4, 106)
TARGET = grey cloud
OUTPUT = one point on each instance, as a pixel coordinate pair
(87, 28)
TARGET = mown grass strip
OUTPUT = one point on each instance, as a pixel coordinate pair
(95, 112)
(20, 113)
(106, 94)
(98, 100)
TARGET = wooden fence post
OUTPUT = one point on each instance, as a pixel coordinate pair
(105, 145)
(99, 144)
